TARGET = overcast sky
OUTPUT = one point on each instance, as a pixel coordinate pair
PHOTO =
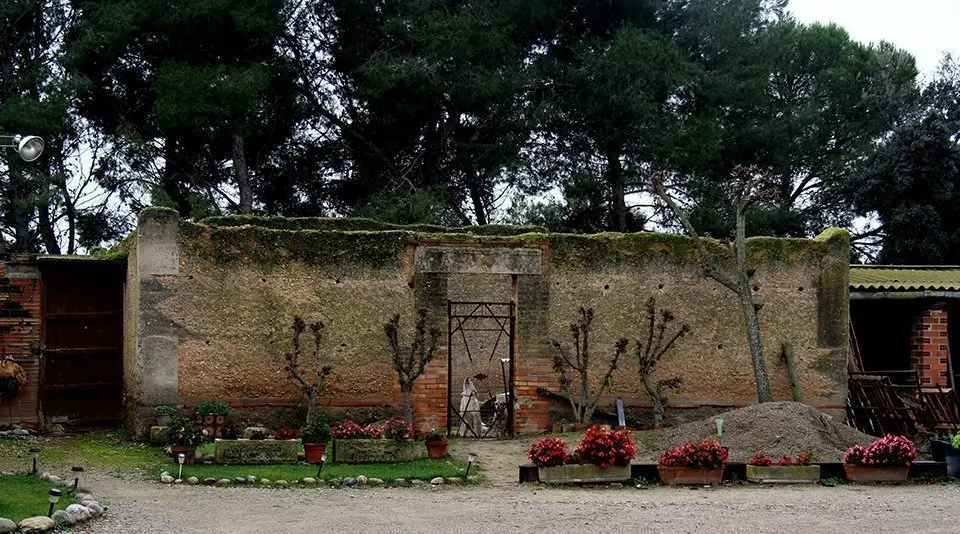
(925, 28)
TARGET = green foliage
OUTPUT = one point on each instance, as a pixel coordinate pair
(212, 408)
(163, 410)
(316, 432)
(420, 469)
(184, 431)
(955, 443)
(23, 496)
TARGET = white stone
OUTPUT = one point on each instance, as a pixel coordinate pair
(361, 480)
(193, 481)
(166, 479)
(281, 483)
(32, 525)
(78, 512)
(374, 482)
(437, 481)
(223, 482)
(96, 510)
(7, 526)
(454, 480)
(265, 481)
(309, 480)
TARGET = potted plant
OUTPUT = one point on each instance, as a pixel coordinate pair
(314, 437)
(213, 416)
(164, 414)
(939, 445)
(603, 455)
(183, 436)
(699, 462)
(786, 470)
(436, 444)
(12, 378)
(952, 457)
(887, 459)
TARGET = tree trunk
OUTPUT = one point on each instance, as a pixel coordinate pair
(243, 175)
(479, 209)
(407, 410)
(618, 187)
(655, 399)
(311, 405)
(170, 180)
(46, 230)
(749, 308)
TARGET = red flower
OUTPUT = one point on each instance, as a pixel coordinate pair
(548, 452)
(605, 448)
(888, 450)
(760, 459)
(706, 454)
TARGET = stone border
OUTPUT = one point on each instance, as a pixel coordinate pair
(310, 482)
(84, 510)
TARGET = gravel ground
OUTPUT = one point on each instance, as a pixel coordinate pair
(143, 507)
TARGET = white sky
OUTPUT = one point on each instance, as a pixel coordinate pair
(925, 28)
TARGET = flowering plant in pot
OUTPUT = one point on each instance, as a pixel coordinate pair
(183, 436)
(601, 456)
(952, 457)
(887, 459)
(760, 468)
(314, 437)
(164, 414)
(699, 462)
(436, 444)
(213, 416)
(347, 429)
(397, 428)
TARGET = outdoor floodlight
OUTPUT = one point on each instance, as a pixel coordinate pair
(28, 146)
(54, 496)
(35, 452)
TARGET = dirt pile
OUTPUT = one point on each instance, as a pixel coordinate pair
(773, 428)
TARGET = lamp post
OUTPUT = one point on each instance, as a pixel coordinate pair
(77, 469)
(35, 452)
(472, 457)
(54, 496)
(180, 459)
(28, 146)
(323, 460)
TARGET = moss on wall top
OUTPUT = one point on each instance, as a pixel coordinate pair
(359, 224)
(225, 241)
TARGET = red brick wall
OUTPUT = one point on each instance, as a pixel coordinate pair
(429, 397)
(20, 301)
(928, 347)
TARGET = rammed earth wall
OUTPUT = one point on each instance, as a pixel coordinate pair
(213, 302)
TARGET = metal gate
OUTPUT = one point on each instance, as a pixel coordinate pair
(480, 363)
(82, 344)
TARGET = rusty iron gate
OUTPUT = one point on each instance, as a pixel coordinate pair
(480, 362)
(82, 343)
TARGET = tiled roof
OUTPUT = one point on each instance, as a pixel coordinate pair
(904, 278)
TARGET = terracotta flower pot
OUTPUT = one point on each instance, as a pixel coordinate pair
(674, 476)
(437, 449)
(189, 452)
(314, 452)
(870, 473)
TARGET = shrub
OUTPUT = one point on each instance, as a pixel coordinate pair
(433, 435)
(956, 441)
(185, 432)
(856, 455)
(212, 408)
(707, 454)
(760, 459)
(316, 432)
(164, 410)
(548, 452)
(604, 447)
(397, 428)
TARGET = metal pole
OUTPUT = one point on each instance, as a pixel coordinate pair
(510, 401)
(449, 363)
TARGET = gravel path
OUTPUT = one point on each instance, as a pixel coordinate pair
(143, 507)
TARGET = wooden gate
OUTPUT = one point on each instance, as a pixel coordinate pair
(82, 345)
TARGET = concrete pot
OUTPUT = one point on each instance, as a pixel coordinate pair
(359, 451)
(867, 473)
(675, 476)
(584, 474)
(784, 474)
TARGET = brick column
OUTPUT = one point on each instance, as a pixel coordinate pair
(428, 400)
(928, 348)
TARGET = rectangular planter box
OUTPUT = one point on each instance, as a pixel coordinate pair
(256, 451)
(360, 451)
(784, 474)
(863, 473)
(584, 474)
(684, 475)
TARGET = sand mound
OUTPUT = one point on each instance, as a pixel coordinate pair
(773, 428)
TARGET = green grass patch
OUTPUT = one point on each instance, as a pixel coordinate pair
(106, 451)
(424, 469)
(23, 496)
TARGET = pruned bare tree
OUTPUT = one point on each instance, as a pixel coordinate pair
(313, 379)
(410, 362)
(584, 400)
(650, 353)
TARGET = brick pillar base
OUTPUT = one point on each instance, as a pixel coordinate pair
(533, 410)
(428, 400)
(928, 348)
